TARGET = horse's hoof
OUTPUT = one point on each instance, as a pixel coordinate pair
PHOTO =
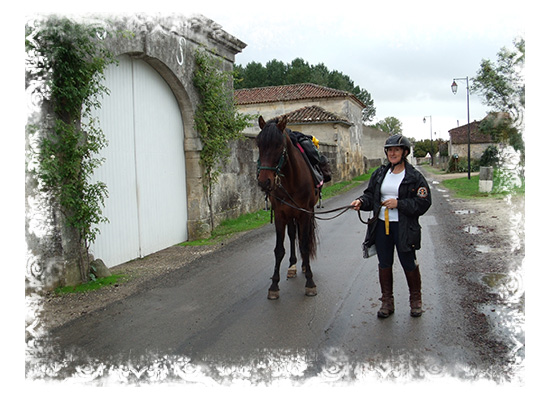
(273, 294)
(311, 291)
(291, 273)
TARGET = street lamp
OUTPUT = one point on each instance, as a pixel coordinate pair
(454, 87)
(431, 142)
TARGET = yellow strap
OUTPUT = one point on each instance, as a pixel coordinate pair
(387, 220)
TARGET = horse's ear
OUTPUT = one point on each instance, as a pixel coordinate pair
(261, 122)
(281, 124)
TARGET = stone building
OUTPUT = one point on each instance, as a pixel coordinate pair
(333, 116)
(458, 143)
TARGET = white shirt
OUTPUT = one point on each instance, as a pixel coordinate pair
(390, 190)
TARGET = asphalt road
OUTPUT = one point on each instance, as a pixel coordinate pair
(215, 312)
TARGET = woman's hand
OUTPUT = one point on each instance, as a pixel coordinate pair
(390, 203)
(356, 204)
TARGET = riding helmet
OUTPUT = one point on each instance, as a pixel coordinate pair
(398, 140)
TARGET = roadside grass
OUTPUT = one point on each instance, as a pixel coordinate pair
(257, 219)
(245, 222)
(93, 285)
(502, 186)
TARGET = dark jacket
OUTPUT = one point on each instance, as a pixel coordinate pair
(413, 201)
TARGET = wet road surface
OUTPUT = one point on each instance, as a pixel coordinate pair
(213, 316)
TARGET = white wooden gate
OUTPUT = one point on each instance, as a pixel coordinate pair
(145, 165)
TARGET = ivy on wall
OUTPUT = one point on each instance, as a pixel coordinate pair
(216, 118)
(70, 59)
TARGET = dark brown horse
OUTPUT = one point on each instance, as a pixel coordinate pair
(286, 178)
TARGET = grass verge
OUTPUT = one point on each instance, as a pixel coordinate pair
(503, 185)
(94, 285)
(245, 222)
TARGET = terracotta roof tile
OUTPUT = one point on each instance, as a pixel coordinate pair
(300, 91)
(311, 114)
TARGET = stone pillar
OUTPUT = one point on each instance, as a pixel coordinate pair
(485, 179)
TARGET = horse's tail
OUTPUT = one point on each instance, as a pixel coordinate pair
(313, 239)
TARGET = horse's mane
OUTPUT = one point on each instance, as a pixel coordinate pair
(270, 138)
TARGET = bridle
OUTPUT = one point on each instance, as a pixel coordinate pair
(277, 168)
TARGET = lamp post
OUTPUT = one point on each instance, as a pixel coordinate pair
(454, 87)
(431, 141)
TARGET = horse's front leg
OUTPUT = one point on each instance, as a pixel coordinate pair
(306, 236)
(291, 273)
(273, 292)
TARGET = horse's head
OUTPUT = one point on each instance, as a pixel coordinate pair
(271, 143)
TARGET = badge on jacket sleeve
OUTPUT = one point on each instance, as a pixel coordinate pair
(422, 192)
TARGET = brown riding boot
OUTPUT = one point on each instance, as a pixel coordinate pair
(386, 284)
(415, 299)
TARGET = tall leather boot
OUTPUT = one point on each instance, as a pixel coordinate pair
(415, 294)
(386, 284)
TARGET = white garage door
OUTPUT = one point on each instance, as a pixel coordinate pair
(145, 165)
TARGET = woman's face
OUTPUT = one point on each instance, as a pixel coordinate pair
(395, 154)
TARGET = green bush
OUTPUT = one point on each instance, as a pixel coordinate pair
(461, 165)
(489, 158)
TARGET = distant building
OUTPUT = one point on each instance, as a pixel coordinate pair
(332, 116)
(458, 143)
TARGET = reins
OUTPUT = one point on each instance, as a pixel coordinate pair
(341, 210)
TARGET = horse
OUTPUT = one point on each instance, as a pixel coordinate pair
(285, 177)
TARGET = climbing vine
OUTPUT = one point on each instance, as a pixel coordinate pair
(216, 118)
(70, 58)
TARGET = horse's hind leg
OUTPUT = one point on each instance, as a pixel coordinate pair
(273, 292)
(291, 273)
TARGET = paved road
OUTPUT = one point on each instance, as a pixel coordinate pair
(215, 312)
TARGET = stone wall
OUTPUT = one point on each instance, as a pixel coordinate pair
(373, 147)
(476, 149)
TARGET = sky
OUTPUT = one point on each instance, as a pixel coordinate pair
(405, 54)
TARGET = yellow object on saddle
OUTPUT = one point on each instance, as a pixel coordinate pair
(387, 220)
(315, 141)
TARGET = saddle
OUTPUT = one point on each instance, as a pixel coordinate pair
(318, 163)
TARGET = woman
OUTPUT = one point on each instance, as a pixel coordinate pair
(398, 194)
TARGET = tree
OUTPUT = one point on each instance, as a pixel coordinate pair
(502, 130)
(276, 73)
(390, 125)
(369, 112)
(502, 84)
(254, 74)
(299, 72)
(427, 146)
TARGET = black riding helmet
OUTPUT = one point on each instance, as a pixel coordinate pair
(398, 140)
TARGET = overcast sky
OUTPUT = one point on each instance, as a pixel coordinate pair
(405, 54)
